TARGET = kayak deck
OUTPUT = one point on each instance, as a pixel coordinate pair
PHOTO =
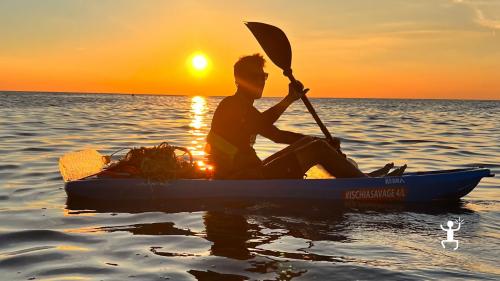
(411, 187)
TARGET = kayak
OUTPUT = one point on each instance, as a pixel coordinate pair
(411, 187)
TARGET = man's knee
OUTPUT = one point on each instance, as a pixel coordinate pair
(316, 149)
(305, 140)
(322, 145)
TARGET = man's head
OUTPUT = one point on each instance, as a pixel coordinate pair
(249, 75)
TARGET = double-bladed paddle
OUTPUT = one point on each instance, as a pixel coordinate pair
(277, 47)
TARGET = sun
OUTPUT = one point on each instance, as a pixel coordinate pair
(199, 62)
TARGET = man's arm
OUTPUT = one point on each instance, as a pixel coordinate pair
(279, 136)
(294, 93)
(272, 114)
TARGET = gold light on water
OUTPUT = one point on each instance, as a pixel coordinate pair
(198, 132)
(198, 126)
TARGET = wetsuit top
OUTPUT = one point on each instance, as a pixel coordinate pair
(234, 128)
(235, 125)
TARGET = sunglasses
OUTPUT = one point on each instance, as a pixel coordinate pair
(258, 75)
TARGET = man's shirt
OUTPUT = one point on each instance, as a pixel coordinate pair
(235, 125)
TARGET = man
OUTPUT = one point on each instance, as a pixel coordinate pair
(236, 123)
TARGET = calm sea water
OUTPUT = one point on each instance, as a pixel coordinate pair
(43, 238)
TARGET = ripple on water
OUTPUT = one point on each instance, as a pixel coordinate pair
(414, 141)
(8, 167)
(30, 259)
(76, 270)
(16, 238)
(27, 134)
(38, 149)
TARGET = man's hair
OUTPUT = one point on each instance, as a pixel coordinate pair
(248, 64)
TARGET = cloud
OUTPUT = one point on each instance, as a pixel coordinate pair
(480, 18)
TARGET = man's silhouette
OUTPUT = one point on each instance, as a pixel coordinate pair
(236, 123)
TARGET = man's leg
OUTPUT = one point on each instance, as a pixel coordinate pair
(284, 163)
(289, 149)
(298, 159)
(320, 152)
(305, 140)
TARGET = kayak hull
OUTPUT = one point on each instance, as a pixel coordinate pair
(411, 187)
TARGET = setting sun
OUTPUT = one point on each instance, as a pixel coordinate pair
(199, 62)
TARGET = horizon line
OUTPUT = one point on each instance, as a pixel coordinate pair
(185, 95)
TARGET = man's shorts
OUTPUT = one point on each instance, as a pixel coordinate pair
(284, 167)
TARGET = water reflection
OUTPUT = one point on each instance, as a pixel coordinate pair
(275, 240)
(198, 126)
(230, 234)
(198, 130)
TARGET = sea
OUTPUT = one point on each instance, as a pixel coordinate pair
(45, 237)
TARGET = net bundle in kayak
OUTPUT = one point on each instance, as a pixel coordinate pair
(158, 163)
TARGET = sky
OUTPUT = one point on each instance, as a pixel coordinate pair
(447, 49)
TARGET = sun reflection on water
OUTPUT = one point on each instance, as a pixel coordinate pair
(72, 248)
(198, 128)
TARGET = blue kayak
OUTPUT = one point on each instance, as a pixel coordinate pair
(411, 187)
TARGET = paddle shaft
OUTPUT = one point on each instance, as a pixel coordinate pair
(310, 108)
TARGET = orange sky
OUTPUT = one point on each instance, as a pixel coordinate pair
(377, 49)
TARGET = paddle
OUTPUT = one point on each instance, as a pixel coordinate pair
(277, 47)
(81, 164)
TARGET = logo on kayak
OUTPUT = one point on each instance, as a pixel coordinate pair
(392, 180)
(384, 193)
(450, 231)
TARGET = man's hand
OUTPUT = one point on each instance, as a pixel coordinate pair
(335, 143)
(296, 91)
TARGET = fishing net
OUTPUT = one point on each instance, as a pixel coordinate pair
(158, 163)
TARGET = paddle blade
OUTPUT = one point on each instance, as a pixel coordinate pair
(81, 164)
(274, 42)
